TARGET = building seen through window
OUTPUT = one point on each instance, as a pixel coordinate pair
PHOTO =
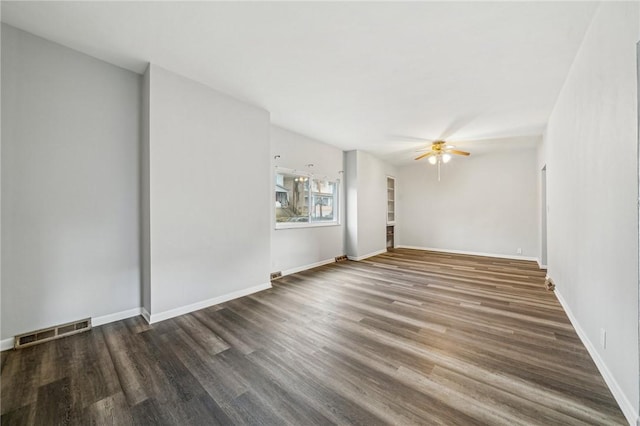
(303, 199)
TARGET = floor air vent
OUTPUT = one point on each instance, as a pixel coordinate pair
(341, 258)
(46, 334)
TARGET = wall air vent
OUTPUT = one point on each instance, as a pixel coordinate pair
(341, 258)
(46, 334)
(276, 275)
(549, 284)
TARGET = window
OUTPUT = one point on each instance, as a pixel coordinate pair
(292, 198)
(303, 200)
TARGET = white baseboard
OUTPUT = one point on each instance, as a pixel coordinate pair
(146, 315)
(472, 253)
(6, 344)
(375, 253)
(305, 267)
(95, 322)
(540, 265)
(153, 318)
(625, 405)
(106, 319)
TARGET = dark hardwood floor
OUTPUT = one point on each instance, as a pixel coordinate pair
(408, 337)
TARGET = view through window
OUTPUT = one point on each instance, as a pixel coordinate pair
(301, 200)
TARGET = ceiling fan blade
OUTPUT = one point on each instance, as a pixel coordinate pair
(424, 155)
(457, 152)
(409, 138)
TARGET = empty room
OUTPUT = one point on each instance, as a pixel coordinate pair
(314, 213)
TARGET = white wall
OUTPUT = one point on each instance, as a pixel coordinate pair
(543, 200)
(484, 203)
(293, 249)
(591, 147)
(0, 183)
(210, 193)
(351, 211)
(367, 215)
(145, 201)
(70, 211)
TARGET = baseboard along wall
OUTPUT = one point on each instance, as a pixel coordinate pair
(7, 344)
(365, 256)
(153, 318)
(309, 266)
(474, 253)
(625, 405)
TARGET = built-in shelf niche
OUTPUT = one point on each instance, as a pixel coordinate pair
(391, 200)
(390, 237)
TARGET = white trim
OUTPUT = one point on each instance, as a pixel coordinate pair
(95, 322)
(365, 256)
(311, 176)
(625, 405)
(314, 174)
(305, 267)
(153, 318)
(106, 319)
(296, 225)
(146, 315)
(472, 253)
(395, 199)
(6, 344)
(540, 265)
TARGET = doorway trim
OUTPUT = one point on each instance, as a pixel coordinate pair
(543, 218)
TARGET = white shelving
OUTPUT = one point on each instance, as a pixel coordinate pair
(391, 212)
(391, 200)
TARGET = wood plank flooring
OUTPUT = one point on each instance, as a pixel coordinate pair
(407, 337)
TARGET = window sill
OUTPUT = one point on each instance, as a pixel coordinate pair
(293, 225)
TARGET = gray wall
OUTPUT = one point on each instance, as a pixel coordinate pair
(296, 248)
(591, 157)
(70, 169)
(351, 211)
(485, 203)
(372, 203)
(210, 193)
(145, 214)
(367, 212)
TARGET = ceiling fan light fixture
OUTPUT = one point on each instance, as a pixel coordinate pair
(441, 153)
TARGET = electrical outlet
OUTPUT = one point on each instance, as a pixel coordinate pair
(603, 338)
(519, 251)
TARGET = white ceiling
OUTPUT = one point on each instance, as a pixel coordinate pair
(356, 75)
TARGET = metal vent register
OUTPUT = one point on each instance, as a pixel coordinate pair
(46, 334)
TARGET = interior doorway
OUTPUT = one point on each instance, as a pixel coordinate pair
(543, 217)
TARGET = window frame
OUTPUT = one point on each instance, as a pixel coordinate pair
(310, 223)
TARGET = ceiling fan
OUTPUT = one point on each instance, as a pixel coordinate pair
(440, 153)
(440, 149)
